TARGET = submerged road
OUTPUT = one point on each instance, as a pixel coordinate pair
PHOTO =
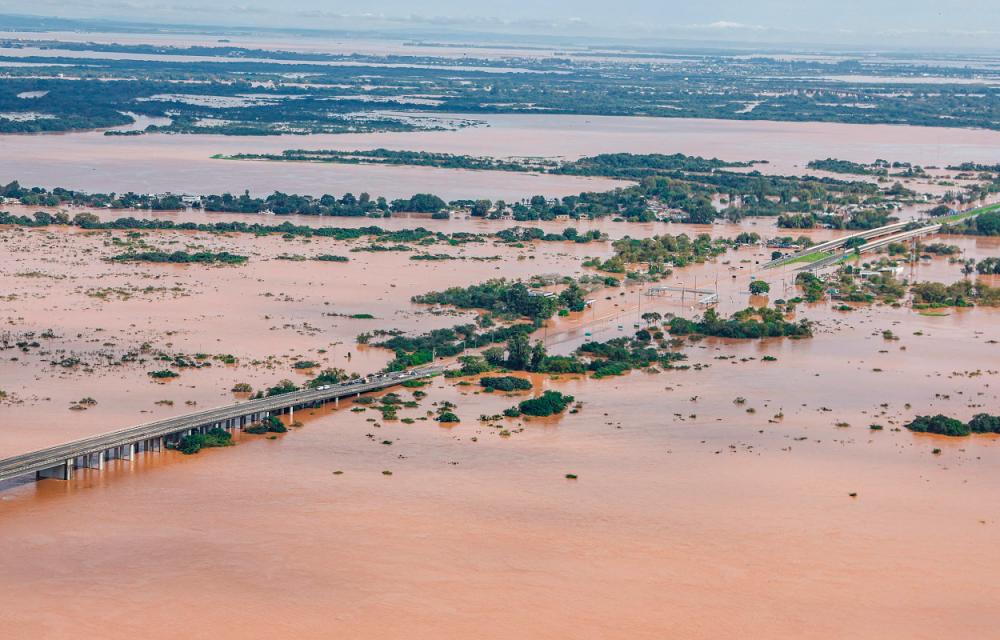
(60, 461)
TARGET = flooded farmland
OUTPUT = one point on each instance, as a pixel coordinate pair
(761, 488)
(687, 509)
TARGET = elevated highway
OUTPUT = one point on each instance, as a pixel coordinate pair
(60, 461)
(889, 233)
(837, 243)
(870, 247)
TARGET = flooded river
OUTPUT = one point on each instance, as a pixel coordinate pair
(738, 498)
(184, 164)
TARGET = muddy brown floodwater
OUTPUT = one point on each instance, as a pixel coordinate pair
(183, 163)
(692, 515)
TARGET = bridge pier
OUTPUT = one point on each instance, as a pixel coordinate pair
(62, 472)
(94, 461)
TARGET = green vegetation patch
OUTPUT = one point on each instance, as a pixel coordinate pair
(505, 383)
(549, 403)
(946, 426)
(191, 444)
(181, 257)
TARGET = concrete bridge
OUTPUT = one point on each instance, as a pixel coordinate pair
(870, 247)
(836, 243)
(60, 461)
(874, 239)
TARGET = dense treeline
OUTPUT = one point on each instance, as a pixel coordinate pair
(676, 250)
(412, 351)
(683, 195)
(37, 196)
(620, 355)
(420, 203)
(391, 157)
(963, 293)
(277, 203)
(637, 166)
(858, 220)
(749, 323)
(612, 165)
(505, 383)
(845, 166)
(285, 204)
(501, 297)
(988, 266)
(680, 182)
(92, 222)
(945, 426)
(527, 234)
(985, 224)
(181, 257)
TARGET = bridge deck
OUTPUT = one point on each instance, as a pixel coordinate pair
(872, 246)
(889, 229)
(45, 459)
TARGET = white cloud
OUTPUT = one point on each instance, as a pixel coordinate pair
(728, 25)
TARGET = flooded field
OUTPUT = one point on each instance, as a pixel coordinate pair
(746, 496)
(692, 515)
(184, 164)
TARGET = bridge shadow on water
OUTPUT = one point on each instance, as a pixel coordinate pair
(85, 478)
(15, 483)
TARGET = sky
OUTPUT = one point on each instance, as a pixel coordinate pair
(917, 24)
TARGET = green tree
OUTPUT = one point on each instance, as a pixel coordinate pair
(518, 352)
(494, 356)
(538, 356)
(988, 224)
(472, 365)
(700, 211)
(759, 287)
(481, 207)
(85, 219)
(549, 403)
(572, 297)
